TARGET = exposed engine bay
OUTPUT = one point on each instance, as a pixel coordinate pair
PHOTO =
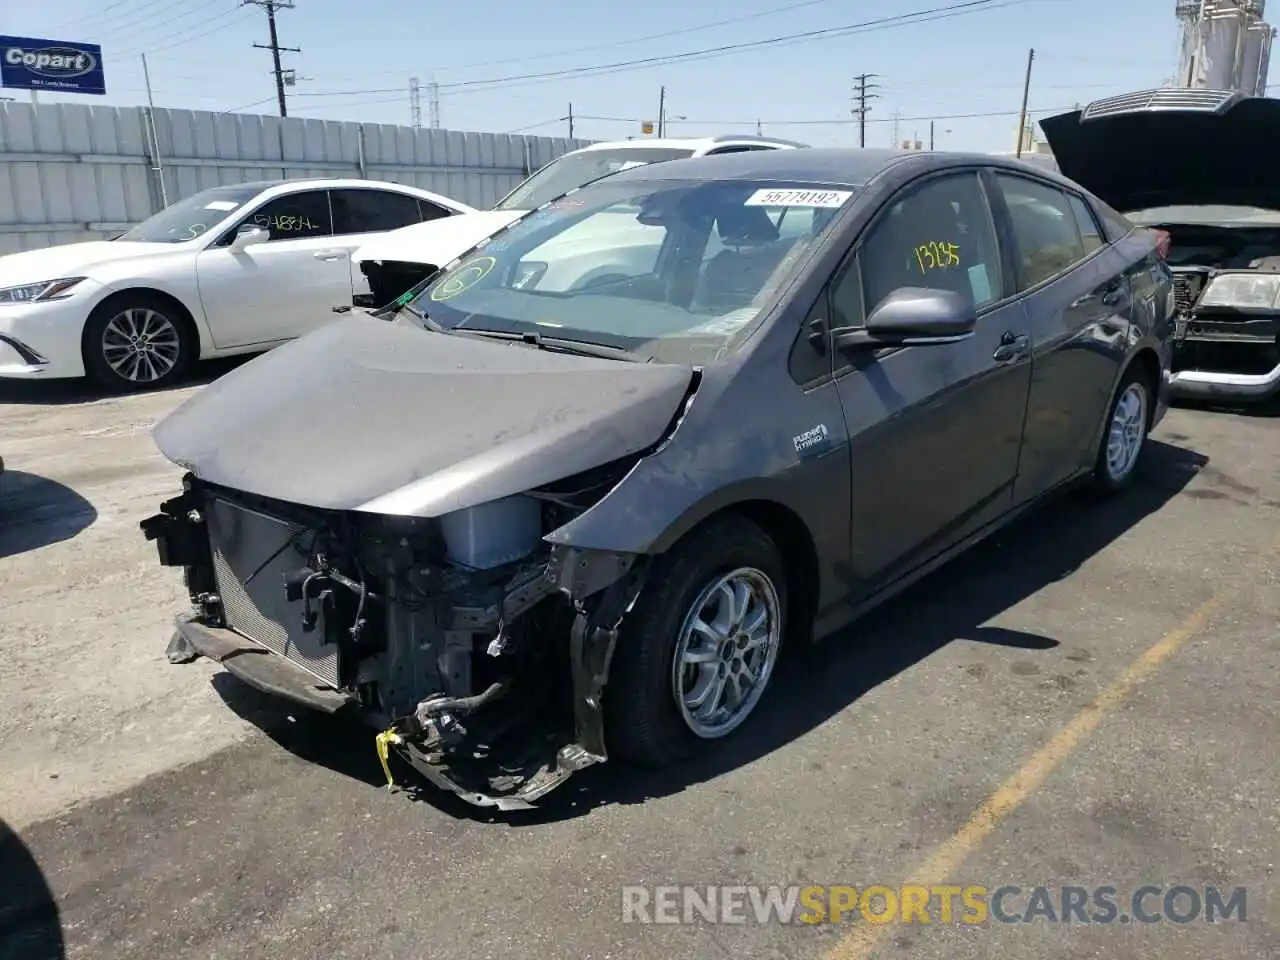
(1227, 290)
(479, 648)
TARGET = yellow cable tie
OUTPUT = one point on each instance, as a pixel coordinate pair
(383, 742)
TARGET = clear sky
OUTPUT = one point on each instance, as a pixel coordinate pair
(358, 56)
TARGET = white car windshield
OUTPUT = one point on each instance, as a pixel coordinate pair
(190, 218)
(574, 170)
(675, 270)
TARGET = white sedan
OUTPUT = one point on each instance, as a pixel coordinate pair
(234, 269)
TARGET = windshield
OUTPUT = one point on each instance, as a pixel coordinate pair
(674, 270)
(576, 169)
(1207, 215)
(190, 218)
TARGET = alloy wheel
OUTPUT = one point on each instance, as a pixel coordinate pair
(141, 345)
(726, 650)
(1127, 431)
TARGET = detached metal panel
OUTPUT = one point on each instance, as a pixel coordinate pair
(71, 172)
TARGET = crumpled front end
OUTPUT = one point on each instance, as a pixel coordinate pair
(480, 649)
(1227, 332)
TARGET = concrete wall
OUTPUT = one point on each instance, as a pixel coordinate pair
(73, 172)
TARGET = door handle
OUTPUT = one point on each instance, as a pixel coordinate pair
(329, 254)
(1012, 347)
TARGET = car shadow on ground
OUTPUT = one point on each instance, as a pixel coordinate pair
(36, 512)
(56, 392)
(30, 925)
(813, 684)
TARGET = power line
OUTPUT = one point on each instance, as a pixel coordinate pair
(80, 22)
(271, 6)
(862, 93)
(136, 24)
(683, 31)
(879, 23)
(866, 26)
(178, 38)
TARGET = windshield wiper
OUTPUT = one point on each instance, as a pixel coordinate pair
(582, 348)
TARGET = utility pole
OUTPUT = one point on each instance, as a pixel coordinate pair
(897, 119)
(271, 6)
(759, 128)
(861, 94)
(662, 110)
(930, 136)
(155, 134)
(415, 103)
(571, 121)
(1026, 92)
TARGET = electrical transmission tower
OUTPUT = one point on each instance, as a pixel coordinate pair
(433, 104)
(271, 6)
(862, 95)
(415, 103)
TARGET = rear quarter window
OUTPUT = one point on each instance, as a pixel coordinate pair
(1114, 225)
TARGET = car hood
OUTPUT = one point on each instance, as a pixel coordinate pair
(70, 259)
(389, 418)
(436, 242)
(1171, 147)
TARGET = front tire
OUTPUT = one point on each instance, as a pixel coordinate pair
(1124, 435)
(136, 341)
(697, 652)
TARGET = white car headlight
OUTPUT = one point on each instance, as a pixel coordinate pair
(37, 292)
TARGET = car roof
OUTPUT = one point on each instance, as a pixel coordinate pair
(306, 182)
(834, 166)
(687, 143)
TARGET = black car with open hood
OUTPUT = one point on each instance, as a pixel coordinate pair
(1197, 164)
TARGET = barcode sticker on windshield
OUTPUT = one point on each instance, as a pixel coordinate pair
(221, 205)
(799, 198)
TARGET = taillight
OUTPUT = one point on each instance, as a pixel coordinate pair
(1163, 241)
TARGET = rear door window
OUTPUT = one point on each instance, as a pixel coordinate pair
(1086, 223)
(372, 211)
(1044, 229)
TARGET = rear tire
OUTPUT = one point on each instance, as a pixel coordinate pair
(1124, 435)
(137, 341)
(710, 622)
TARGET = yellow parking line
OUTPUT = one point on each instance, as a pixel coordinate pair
(862, 939)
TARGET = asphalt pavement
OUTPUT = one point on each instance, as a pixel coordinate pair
(1090, 699)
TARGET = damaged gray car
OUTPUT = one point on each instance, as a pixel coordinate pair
(570, 498)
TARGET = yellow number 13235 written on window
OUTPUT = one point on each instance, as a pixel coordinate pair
(937, 256)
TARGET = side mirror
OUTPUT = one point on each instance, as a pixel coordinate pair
(912, 317)
(248, 235)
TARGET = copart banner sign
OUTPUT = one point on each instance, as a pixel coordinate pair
(54, 65)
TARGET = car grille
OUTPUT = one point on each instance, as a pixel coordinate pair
(247, 546)
(1186, 289)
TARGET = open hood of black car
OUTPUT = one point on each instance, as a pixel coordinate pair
(1171, 147)
(386, 417)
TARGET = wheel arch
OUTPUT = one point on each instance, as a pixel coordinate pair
(795, 544)
(183, 313)
(1147, 362)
